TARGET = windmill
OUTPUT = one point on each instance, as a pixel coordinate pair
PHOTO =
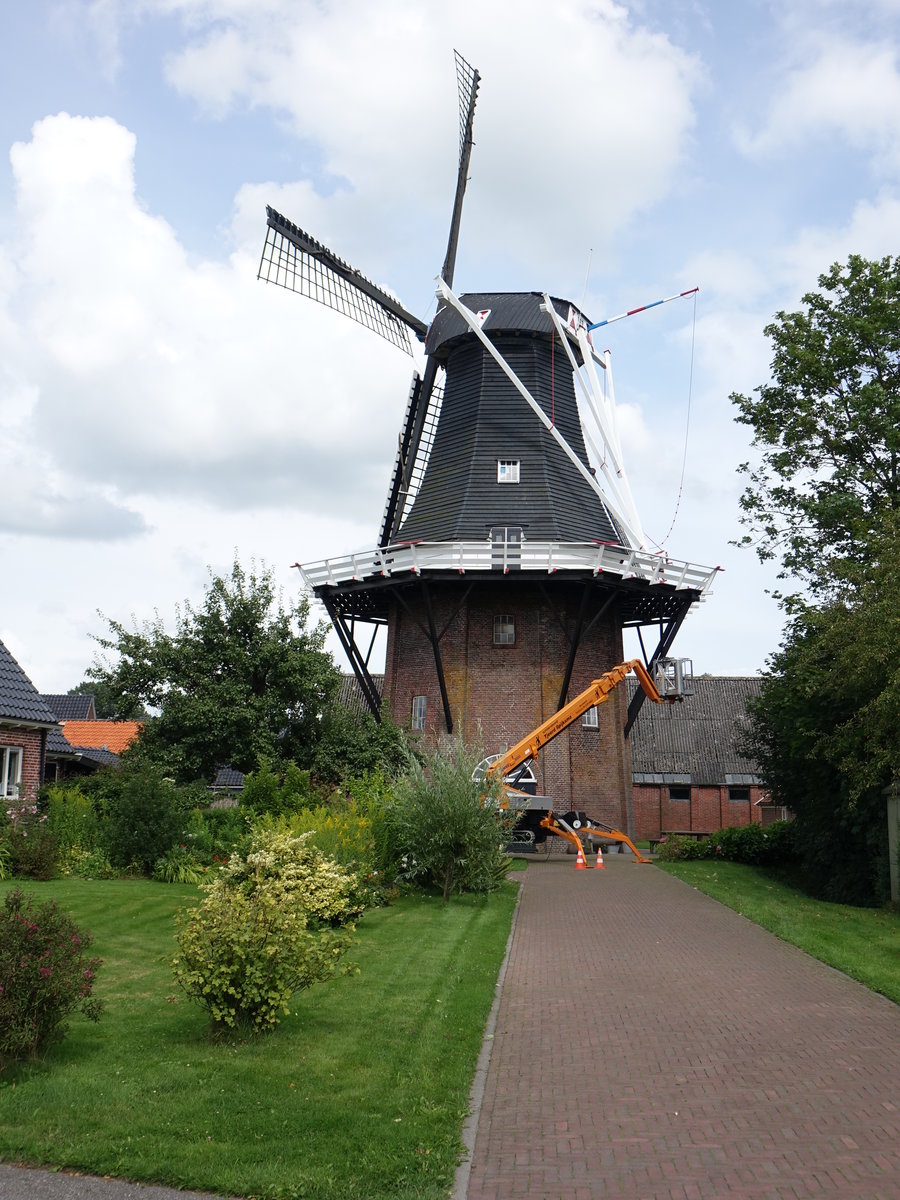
(510, 555)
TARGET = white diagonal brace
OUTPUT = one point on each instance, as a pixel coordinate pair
(603, 409)
(445, 293)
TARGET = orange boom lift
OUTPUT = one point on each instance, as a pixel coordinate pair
(671, 683)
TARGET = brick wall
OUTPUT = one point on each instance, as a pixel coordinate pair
(709, 809)
(31, 742)
(497, 694)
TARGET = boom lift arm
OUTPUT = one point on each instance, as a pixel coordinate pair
(597, 692)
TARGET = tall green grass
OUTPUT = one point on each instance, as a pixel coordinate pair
(862, 942)
(360, 1093)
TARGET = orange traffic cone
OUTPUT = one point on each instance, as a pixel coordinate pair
(580, 864)
(599, 865)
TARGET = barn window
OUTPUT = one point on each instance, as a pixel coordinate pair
(739, 795)
(678, 791)
(419, 708)
(504, 630)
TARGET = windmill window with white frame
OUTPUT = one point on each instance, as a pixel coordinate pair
(508, 470)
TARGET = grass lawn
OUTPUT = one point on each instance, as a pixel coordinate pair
(862, 942)
(361, 1092)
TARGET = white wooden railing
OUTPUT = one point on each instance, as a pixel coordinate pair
(545, 557)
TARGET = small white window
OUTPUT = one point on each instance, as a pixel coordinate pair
(507, 470)
(10, 770)
(419, 708)
(504, 630)
(591, 719)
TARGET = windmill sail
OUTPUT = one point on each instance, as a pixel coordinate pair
(294, 260)
(421, 409)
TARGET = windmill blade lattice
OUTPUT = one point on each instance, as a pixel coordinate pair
(294, 260)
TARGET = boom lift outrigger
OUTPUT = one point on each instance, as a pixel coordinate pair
(672, 683)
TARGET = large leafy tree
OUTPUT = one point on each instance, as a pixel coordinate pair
(824, 729)
(242, 677)
(827, 426)
(825, 499)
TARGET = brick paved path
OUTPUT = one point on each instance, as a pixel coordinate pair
(653, 1045)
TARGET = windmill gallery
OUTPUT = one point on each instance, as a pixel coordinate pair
(510, 556)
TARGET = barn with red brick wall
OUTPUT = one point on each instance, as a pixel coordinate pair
(688, 772)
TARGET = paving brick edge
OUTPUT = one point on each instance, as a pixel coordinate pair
(476, 1092)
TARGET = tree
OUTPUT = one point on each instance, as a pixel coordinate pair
(241, 679)
(107, 706)
(826, 499)
(823, 734)
(828, 426)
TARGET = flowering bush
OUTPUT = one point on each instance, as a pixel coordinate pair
(296, 873)
(45, 975)
(32, 846)
(243, 954)
(252, 941)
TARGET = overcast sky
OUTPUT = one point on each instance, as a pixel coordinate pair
(162, 409)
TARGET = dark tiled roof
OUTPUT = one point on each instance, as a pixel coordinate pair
(228, 779)
(696, 738)
(71, 708)
(19, 698)
(350, 695)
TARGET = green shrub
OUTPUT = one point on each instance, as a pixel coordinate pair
(782, 844)
(178, 865)
(773, 845)
(444, 829)
(45, 975)
(145, 817)
(32, 846)
(72, 818)
(248, 946)
(678, 849)
(86, 864)
(266, 793)
(213, 834)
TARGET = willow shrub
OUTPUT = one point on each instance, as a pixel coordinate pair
(446, 829)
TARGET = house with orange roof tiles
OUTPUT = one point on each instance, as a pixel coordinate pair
(114, 736)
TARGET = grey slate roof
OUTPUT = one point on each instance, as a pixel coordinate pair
(19, 698)
(71, 708)
(484, 419)
(228, 779)
(695, 740)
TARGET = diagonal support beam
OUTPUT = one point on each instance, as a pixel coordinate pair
(358, 662)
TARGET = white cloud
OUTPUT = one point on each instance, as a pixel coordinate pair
(151, 373)
(583, 121)
(835, 87)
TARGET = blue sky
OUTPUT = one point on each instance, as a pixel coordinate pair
(163, 409)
